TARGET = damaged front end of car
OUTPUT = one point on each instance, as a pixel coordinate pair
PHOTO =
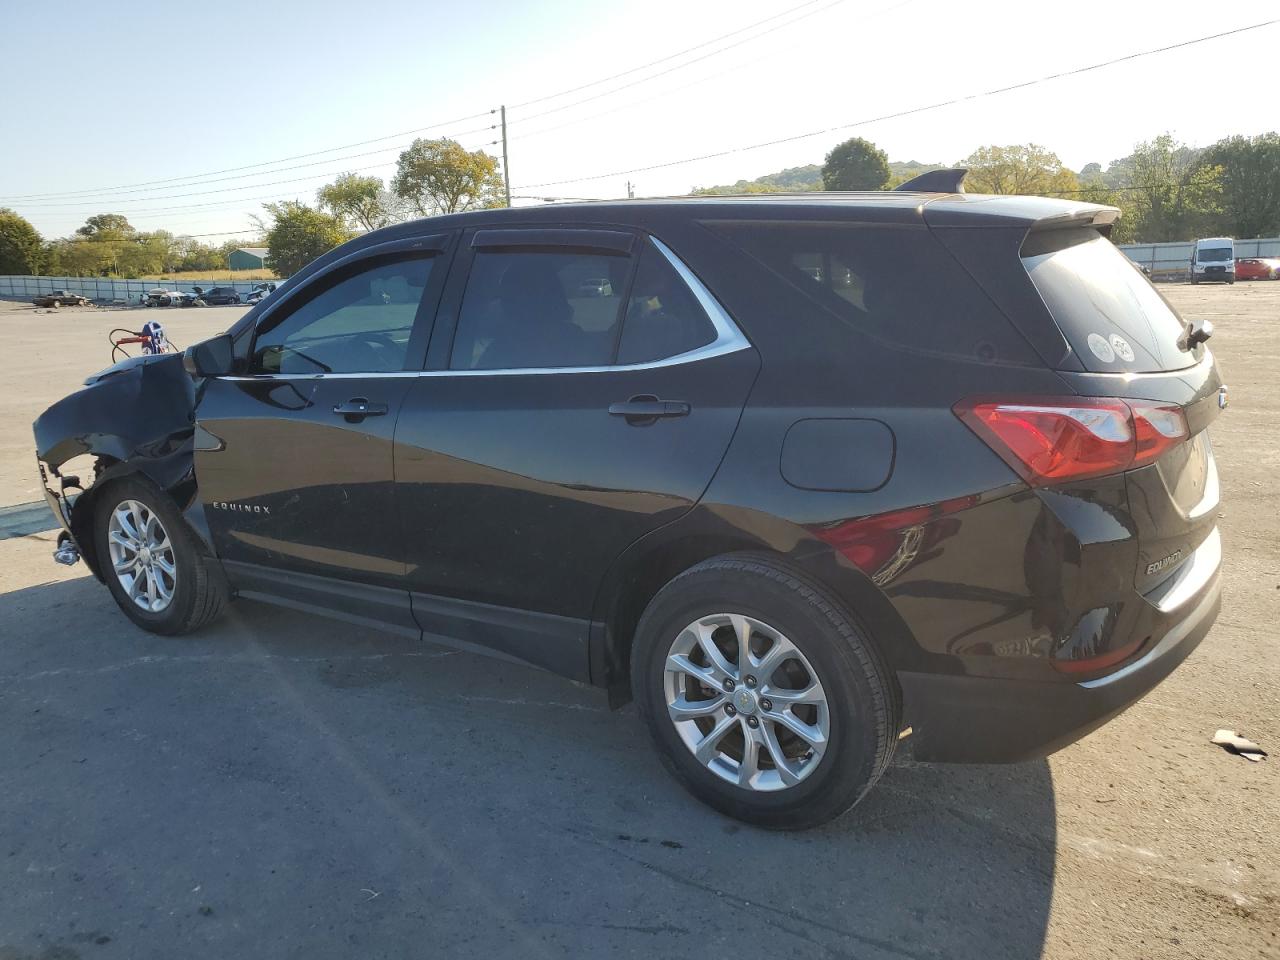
(134, 418)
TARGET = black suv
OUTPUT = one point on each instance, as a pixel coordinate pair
(218, 295)
(805, 476)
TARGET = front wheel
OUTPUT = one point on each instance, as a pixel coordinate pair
(150, 561)
(765, 699)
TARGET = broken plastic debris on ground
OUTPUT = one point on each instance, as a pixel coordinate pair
(1233, 743)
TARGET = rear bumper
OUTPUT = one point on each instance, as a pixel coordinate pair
(959, 719)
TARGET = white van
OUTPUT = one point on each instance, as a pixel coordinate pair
(1213, 259)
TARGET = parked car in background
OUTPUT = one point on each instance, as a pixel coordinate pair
(259, 292)
(219, 295)
(160, 297)
(1213, 260)
(60, 298)
(1258, 268)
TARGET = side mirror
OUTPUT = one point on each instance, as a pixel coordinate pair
(212, 358)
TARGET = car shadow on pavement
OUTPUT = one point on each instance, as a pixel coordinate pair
(278, 783)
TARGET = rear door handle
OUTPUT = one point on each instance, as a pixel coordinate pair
(647, 408)
(358, 407)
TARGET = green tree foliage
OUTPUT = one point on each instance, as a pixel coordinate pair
(360, 202)
(804, 179)
(1249, 183)
(1168, 190)
(1093, 188)
(441, 176)
(856, 164)
(106, 226)
(1024, 168)
(21, 249)
(298, 234)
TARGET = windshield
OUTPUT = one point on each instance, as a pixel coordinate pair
(1112, 316)
(1213, 254)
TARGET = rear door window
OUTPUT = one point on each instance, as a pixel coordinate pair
(529, 309)
(664, 319)
(894, 284)
(1114, 319)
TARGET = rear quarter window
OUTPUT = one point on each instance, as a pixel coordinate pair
(1114, 319)
(894, 284)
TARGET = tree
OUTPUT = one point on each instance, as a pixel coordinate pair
(1171, 191)
(298, 234)
(1093, 188)
(441, 176)
(1249, 180)
(21, 249)
(856, 164)
(361, 202)
(1024, 168)
(106, 226)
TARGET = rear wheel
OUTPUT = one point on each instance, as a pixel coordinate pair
(150, 560)
(765, 700)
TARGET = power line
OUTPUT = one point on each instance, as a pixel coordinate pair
(654, 63)
(197, 177)
(904, 113)
(91, 201)
(680, 89)
(200, 193)
(250, 166)
(145, 239)
(681, 66)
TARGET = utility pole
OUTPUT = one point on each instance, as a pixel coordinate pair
(631, 194)
(506, 170)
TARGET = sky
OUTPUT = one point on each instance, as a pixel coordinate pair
(234, 104)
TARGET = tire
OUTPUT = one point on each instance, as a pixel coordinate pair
(860, 702)
(197, 593)
(57, 303)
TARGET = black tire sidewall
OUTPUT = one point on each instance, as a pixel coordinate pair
(859, 728)
(174, 617)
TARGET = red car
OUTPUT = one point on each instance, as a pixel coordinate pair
(1258, 268)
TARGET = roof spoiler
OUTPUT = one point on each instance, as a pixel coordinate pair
(936, 181)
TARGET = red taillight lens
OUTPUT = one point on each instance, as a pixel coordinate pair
(1054, 439)
(1157, 427)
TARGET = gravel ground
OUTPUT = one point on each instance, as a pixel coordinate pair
(284, 786)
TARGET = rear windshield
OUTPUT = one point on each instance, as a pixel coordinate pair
(1214, 254)
(1112, 316)
(894, 284)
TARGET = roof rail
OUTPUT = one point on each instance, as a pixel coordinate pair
(936, 181)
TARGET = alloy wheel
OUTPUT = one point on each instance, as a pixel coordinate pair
(142, 556)
(746, 702)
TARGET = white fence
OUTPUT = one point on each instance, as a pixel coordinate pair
(1166, 261)
(106, 290)
(1172, 261)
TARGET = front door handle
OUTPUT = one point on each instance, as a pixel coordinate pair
(646, 408)
(357, 408)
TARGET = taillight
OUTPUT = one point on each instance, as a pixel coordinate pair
(1054, 439)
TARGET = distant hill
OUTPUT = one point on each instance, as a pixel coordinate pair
(808, 178)
(904, 170)
(791, 180)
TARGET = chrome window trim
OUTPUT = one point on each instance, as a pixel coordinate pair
(729, 339)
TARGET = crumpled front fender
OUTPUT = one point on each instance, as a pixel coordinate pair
(136, 418)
